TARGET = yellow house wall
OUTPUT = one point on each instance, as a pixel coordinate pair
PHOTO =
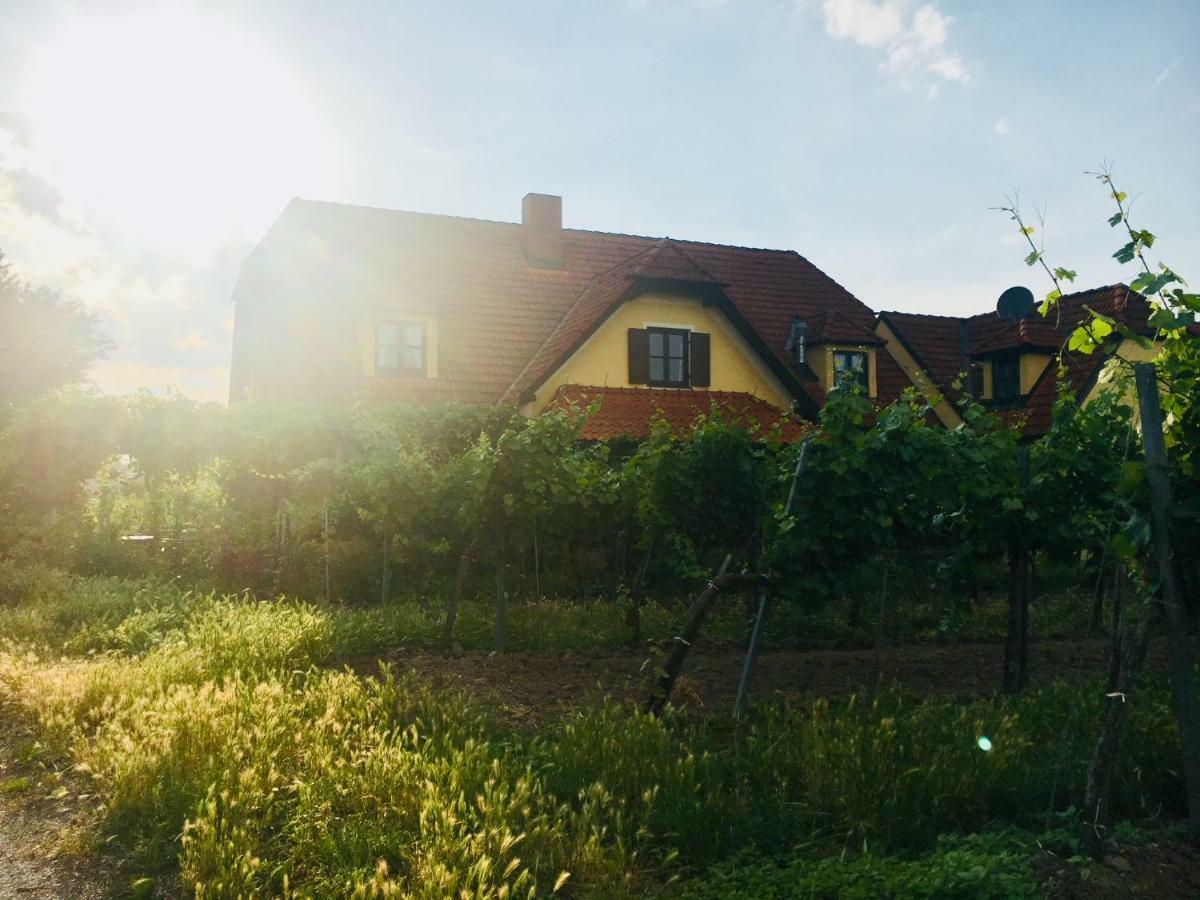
(603, 360)
(1130, 352)
(985, 367)
(1032, 367)
(366, 339)
(944, 410)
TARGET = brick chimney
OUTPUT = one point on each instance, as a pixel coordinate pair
(541, 230)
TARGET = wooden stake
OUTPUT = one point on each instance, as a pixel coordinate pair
(764, 602)
(691, 628)
(1183, 672)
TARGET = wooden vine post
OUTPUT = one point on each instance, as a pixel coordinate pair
(764, 600)
(1183, 673)
(683, 642)
(1020, 591)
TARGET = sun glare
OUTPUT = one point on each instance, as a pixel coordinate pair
(174, 127)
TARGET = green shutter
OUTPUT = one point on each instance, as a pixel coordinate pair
(701, 367)
(639, 356)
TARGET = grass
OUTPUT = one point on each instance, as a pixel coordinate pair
(87, 615)
(219, 738)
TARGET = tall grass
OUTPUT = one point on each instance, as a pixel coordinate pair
(217, 737)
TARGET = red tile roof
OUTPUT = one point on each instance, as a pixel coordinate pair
(828, 327)
(942, 345)
(935, 342)
(501, 321)
(630, 411)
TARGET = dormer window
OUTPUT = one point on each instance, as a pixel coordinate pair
(400, 348)
(850, 367)
(796, 340)
(1006, 377)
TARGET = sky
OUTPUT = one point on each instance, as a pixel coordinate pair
(145, 147)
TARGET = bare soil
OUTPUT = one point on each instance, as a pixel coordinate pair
(42, 851)
(530, 686)
(1158, 871)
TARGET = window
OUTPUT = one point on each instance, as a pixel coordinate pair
(850, 367)
(975, 381)
(668, 356)
(1006, 377)
(796, 338)
(400, 348)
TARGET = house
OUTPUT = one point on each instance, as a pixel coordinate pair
(341, 300)
(1011, 365)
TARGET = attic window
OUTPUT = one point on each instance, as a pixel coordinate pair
(400, 348)
(668, 357)
(796, 339)
(850, 367)
(1006, 377)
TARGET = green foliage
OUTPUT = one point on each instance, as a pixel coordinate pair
(976, 867)
(47, 342)
(1173, 316)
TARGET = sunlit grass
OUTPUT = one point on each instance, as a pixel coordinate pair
(218, 735)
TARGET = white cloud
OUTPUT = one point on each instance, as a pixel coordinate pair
(1001, 126)
(863, 21)
(128, 376)
(1164, 75)
(193, 340)
(915, 44)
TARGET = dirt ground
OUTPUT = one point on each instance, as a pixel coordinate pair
(40, 858)
(532, 686)
(1159, 871)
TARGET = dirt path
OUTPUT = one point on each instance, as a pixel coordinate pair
(34, 834)
(533, 685)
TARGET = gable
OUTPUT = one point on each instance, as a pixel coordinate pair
(602, 358)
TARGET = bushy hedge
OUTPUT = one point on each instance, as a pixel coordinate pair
(385, 501)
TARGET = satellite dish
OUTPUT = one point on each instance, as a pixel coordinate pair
(1015, 304)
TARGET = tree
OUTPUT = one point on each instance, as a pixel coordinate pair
(47, 342)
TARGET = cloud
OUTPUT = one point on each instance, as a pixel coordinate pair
(18, 126)
(128, 376)
(33, 193)
(1164, 75)
(1001, 126)
(915, 45)
(864, 22)
(193, 340)
(145, 300)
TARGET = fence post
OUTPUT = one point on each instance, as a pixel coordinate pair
(326, 551)
(764, 601)
(1020, 568)
(1183, 673)
(501, 607)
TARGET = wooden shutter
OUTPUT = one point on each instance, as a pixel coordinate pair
(701, 374)
(639, 356)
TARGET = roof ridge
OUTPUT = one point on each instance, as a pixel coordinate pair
(486, 221)
(901, 312)
(661, 246)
